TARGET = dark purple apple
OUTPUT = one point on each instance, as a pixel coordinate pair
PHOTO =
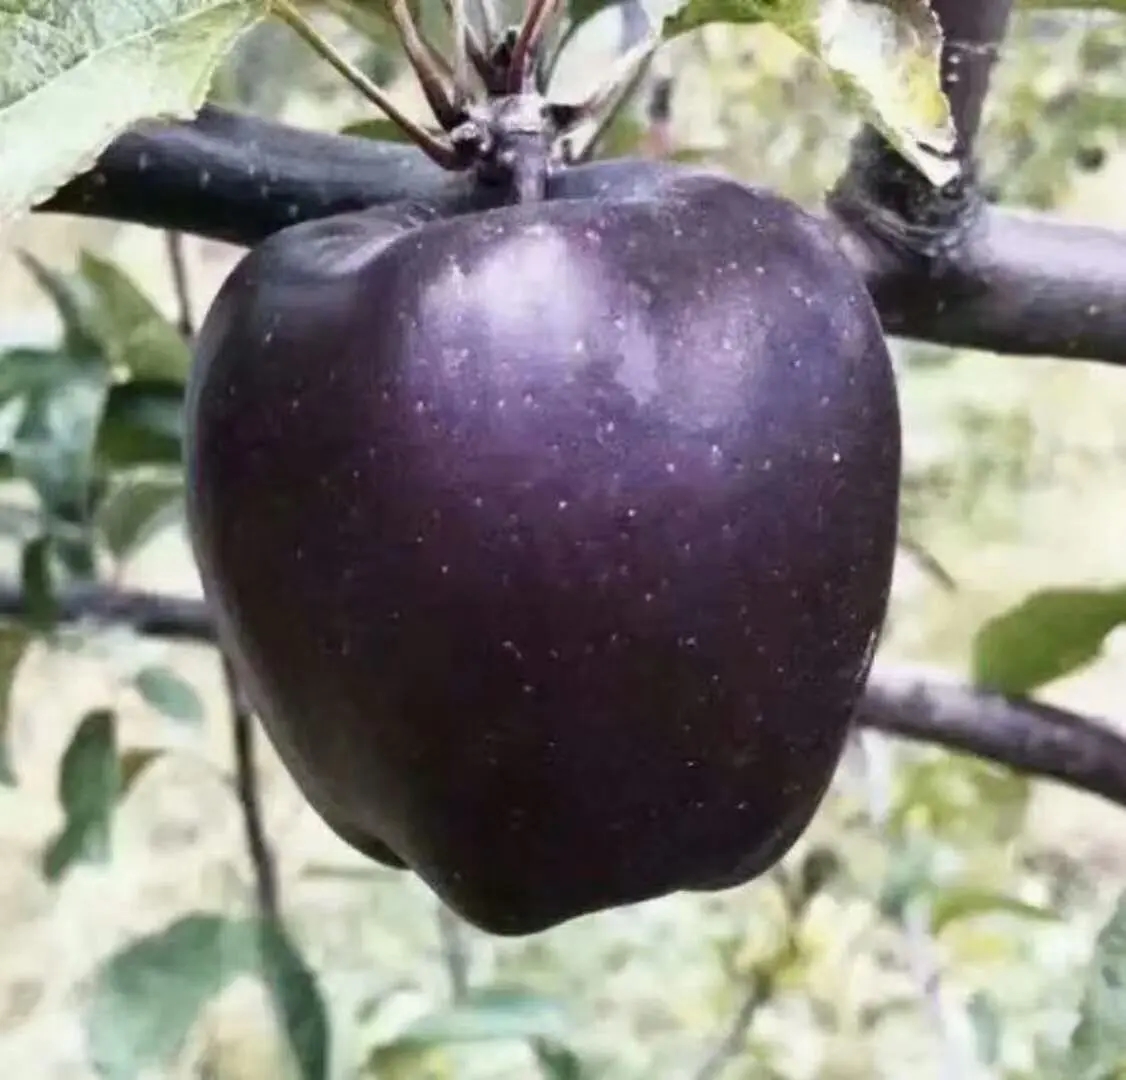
(552, 541)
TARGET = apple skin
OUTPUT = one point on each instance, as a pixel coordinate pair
(552, 542)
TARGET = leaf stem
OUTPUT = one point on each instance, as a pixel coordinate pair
(438, 150)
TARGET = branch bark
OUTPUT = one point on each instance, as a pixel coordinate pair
(909, 702)
(942, 266)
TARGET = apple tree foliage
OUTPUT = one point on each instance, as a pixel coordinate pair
(90, 445)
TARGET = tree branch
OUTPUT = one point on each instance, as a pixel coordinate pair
(986, 278)
(1029, 736)
(913, 703)
(941, 266)
(238, 178)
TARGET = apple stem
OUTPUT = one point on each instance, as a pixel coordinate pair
(442, 151)
(528, 40)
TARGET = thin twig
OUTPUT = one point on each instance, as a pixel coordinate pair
(928, 563)
(455, 954)
(608, 100)
(439, 150)
(529, 41)
(185, 321)
(731, 1043)
(435, 76)
(242, 716)
(246, 783)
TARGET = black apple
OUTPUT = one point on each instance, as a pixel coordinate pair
(552, 541)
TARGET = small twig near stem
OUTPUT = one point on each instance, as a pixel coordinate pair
(246, 782)
(730, 1045)
(185, 321)
(242, 717)
(928, 563)
(437, 149)
(607, 101)
(454, 952)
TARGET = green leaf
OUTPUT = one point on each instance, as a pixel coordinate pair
(956, 904)
(89, 783)
(297, 1001)
(143, 424)
(884, 54)
(1097, 1049)
(76, 74)
(137, 507)
(169, 693)
(37, 583)
(556, 1062)
(14, 640)
(1046, 636)
(68, 292)
(53, 446)
(135, 335)
(147, 997)
(25, 371)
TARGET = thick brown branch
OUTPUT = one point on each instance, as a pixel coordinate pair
(1029, 736)
(914, 703)
(944, 269)
(996, 280)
